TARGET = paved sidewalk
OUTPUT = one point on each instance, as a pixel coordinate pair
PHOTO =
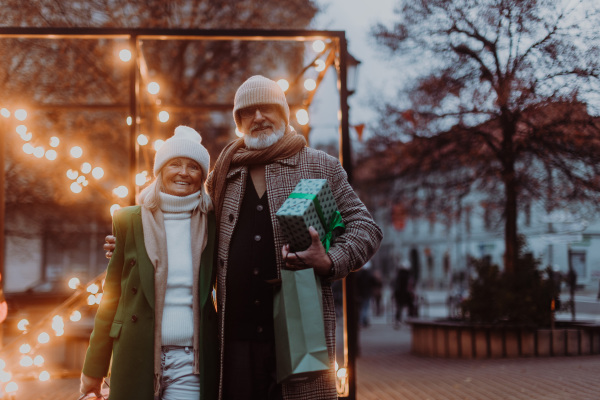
(387, 370)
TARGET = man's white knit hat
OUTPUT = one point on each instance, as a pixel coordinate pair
(186, 142)
(259, 90)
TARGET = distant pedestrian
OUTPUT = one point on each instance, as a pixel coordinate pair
(404, 295)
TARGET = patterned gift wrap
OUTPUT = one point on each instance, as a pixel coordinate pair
(297, 214)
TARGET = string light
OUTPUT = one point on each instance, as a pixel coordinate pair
(142, 139)
(21, 130)
(28, 148)
(75, 316)
(51, 155)
(38, 360)
(76, 187)
(129, 121)
(302, 116)
(310, 84)
(39, 152)
(44, 376)
(76, 151)
(97, 172)
(5, 113)
(125, 55)
(318, 46)
(158, 143)
(72, 174)
(21, 114)
(153, 88)
(25, 348)
(86, 167)
(283, 84)
(141, 178)
(121, 191)
(114, 208)
(22, 325)
(54, 141)
(319, 65)
(74, 283)
(163, 116)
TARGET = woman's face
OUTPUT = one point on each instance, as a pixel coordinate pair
(181, 176)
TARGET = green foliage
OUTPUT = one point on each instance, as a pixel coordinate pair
(523, 296)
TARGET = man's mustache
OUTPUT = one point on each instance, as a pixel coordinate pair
(262, 126)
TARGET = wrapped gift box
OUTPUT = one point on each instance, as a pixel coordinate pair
(297, 214)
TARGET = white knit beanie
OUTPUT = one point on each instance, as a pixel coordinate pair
(259, 90)
(184, 143)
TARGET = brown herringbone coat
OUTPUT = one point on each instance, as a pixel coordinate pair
(349, 252)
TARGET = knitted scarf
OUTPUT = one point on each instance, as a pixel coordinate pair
(235, 154)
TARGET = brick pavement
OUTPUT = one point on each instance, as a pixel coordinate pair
(387, 371)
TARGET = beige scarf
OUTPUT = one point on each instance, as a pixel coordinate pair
(236, 154)
(155, 240)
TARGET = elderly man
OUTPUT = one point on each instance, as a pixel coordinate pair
(250, 181)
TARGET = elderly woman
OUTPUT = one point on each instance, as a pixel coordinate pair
(157, 319)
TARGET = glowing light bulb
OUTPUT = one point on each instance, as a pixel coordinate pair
(75, 316)
(121, 191)
(43, 337)
(25, 348)
(341, 373)
(125, 55)
(11, 387)
(80, 179)
(283, 84)
(142, 139)
(97, 172)
(318, 46)
(54, 141)
(319, 65)
(21, 114)
(140, 179)
(163, 116)
(38, 152)
(44, 376)
(93, 288)
(86, 167)
(22, 324)
(302, 116)
(129, 121)
(28, 148)
(91, 300)
(158, 143)
(4, 112)
(310, 84)
(51, 155)
(5, 376)
(38, 360)
(74, 283)
(26, 361)
(76, 187)
(72, 174)
(21, 130)
(76, 152)
(114, 208)
(57, 323)
(153, 88)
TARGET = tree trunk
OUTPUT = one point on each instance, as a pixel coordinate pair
(510, 223)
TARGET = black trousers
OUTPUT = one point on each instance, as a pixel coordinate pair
(249, 371)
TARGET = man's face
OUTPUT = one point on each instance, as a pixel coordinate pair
(262, 125)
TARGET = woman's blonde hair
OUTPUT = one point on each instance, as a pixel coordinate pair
(150, 196)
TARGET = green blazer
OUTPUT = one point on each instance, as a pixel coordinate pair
(124, 324)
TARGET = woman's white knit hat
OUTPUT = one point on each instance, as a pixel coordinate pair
(259, 90)
(186, 142)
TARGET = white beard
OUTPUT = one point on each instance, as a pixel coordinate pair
(262, 141)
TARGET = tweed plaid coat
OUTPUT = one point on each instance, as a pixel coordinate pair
(349, 252)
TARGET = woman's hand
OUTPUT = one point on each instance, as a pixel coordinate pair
(90, 385)
(109, 246)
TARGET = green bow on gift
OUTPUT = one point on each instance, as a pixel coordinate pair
(335, 223)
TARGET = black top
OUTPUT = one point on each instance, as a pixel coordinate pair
(252, 261)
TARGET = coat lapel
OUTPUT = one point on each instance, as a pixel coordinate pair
(145, 265)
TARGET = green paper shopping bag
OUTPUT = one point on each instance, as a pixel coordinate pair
(300, 347)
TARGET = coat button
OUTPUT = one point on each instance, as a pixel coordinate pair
(134, 318)
(134, 290)
(231, 217)
(257, 238)
(259, 207)
(255, 271)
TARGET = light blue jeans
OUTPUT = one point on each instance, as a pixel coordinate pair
(178, 381)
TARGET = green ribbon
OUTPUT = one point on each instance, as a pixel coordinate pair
(336, 219)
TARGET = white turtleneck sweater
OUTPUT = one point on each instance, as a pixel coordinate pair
(178, 317)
